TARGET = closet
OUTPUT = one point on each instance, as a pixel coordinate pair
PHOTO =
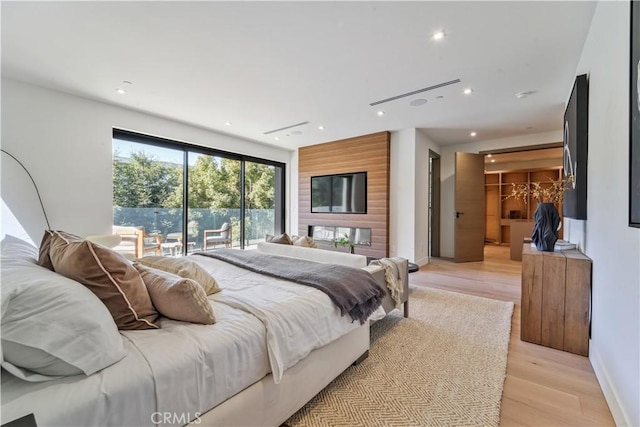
(506, 215)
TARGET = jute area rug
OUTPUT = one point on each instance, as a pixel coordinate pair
(443, 366)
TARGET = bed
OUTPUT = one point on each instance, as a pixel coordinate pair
(221, 374)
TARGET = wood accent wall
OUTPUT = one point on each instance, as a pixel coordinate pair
(368, 153)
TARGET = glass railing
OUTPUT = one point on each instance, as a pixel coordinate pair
(167, 222)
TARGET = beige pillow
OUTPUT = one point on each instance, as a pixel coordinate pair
(108, 275)
(183, 267)
(176, 297)
(282, 239)
(304, 241)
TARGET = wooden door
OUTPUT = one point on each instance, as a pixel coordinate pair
(469, 207)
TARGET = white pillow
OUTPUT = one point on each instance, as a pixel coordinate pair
(52, 326)
(15, 248)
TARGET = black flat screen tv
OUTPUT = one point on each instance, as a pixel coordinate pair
(342, 193)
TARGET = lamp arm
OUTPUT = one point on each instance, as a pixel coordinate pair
(34, 185)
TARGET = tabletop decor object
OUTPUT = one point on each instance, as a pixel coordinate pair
(546, 217)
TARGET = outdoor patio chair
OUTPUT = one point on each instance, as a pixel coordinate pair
(215, 237)
(137, 242)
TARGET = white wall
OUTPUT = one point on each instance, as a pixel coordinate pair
(401, 190)
(607, 240)
(447, 176)
(66, 143)
(408, 199)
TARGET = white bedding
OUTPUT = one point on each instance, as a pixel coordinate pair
(173, 374)
(195, 367)
(126, 385)
(298, 318)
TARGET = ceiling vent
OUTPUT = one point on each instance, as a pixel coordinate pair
(404, 95)
(287, 127)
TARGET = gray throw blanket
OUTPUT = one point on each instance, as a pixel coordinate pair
(353, 290)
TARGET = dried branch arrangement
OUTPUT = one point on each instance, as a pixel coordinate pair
(550, 191)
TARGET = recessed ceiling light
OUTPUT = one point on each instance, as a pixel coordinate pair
(380, 113)
(493, 160)
(438, 35)
(228, 123)
(468, 91)
(121, 91)
(321, 127)
(488, 155)
(418, 102)
(473, 134)
(277, 138)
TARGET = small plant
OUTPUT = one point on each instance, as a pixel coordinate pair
(550, 191)
(343, 241)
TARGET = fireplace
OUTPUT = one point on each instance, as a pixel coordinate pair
(323, 233)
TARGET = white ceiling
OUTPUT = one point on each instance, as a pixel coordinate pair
(267, 65)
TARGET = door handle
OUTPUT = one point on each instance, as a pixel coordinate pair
(458, 214)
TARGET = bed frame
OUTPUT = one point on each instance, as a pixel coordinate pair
(268, 404)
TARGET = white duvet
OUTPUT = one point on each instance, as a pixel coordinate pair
(298, 318)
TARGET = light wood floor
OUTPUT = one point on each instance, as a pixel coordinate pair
(544, 387)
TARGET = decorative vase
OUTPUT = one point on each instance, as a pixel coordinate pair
(545, 229)
(352, 250)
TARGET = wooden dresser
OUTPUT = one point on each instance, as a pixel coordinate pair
(556, 299)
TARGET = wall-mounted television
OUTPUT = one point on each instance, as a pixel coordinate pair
(341, 193)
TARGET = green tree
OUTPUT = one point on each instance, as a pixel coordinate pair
(143, 182)
(259, 186)
(214, 183)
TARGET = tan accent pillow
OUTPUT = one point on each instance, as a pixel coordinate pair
(44, 259)
(108, 275)
(176, 297)
(183, 267)
(304, 241)
(282, 239)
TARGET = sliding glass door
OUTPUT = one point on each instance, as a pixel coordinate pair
(213, 217)
(232, 200)
(147, 196)
(262, 197)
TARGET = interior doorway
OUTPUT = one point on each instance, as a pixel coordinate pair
(434, 204)
(509, 219)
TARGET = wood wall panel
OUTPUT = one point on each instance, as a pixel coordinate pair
(368, 153)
